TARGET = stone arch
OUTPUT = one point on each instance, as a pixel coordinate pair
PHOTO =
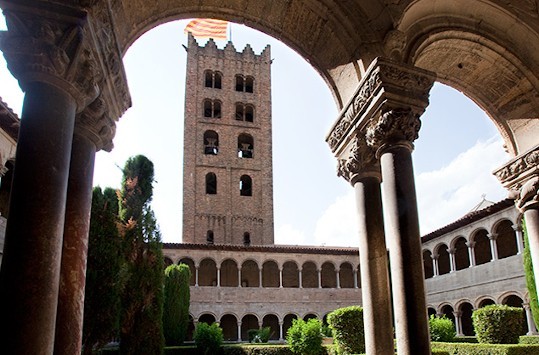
(506, 240)
(482, 250)
(466, 309)
(207, 317)
(447, 310)
(248, 321)
(346, 275)
(167, 261)
(207, 273)
(514, 300)
(473, 48)
(328, 275)
(484, 301)
(287, 322)
(271, 320)
(431, 311)
(229, 273)
(211, 142)
(229, 324)
(311, 315)
(462, 257)
(189, 262)
(427, 264)
(270, 274)
(290, 274)
(246, 146)
(442, 251)
(250, 276)
(309, 275)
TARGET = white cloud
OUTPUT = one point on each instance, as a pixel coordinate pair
(338, 224)
(449, 193)
(287, 234)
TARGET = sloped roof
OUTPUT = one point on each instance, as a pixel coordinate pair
(9, 121)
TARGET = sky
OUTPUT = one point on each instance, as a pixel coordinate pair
(457, 150)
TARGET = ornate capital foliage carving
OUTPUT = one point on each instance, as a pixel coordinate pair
(397, 126)
(74, 49)
(385, 84)
(360, 161)
(521, 176)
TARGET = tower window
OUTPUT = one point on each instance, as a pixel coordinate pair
(212, 108)
(246, 186)
(244, 112)
(244, 84)
(245, 146)
(211, 184)
(211, 143)
(212, 79)
(246, 239)
(209, 237)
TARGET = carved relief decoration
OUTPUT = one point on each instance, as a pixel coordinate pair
(95, 124)
(38, 48)
(361, 160)
(382, 76)
(393, 126)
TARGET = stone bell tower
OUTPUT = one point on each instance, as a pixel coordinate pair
(228, 174)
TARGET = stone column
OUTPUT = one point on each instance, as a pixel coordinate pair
(435, 269)
(471, 253)
(337, 275)
(387, 104)
(319, 278)
(532, 330)
(362, 170)
(280, 278)
(452, 262)
(519, 238)
(281, 338)
(458, 322)
(239, 277)
(218, 277)
(493, 246)
(196, 275)
(259, 277)
(44, 51)
(355, 278)
(239, 331)
(300, 279)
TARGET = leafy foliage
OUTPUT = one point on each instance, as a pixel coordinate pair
(259, 335)
(176, 303)
(305, 338)
(498, 324)
(441, 329)
(530, 277)
(487, 349)
(142, 300)
(208, 338)
(103, 278)
(348, 329)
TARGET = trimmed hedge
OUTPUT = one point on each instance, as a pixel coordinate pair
(472, 339)
(528, 339)
(487, 349)
(208, 338)
(498, 324)
(305, 337)
(348, 330)
(441, 329)
(244, 349)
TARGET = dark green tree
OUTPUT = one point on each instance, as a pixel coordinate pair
(141, 330)
(530, 277)
(103, 281)
(176, 303)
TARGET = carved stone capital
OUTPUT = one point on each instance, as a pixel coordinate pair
(360, 161)
(385, 84)
(521, 177)
(95, 124)
(398, 126)
(46, 43)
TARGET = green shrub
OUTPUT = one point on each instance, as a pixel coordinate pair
(208, 338)
(441, 329)
(486, 349)
(176, 303)
(498, 324)
(305, 338)
(259, 335)
(348, 330)
(528, 339)
(466, 339)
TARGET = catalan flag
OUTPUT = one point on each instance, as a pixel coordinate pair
(207, 28)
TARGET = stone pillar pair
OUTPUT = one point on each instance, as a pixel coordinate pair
(55, 54)
(373, 140)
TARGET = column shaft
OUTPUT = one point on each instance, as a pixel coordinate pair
(405, 251)
(300, 279)
(75, 248)
(375, 293)
(196, 276)
(30, 272)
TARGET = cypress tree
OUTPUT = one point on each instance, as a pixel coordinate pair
(176, 303)
(103, 282)
(142, 300)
